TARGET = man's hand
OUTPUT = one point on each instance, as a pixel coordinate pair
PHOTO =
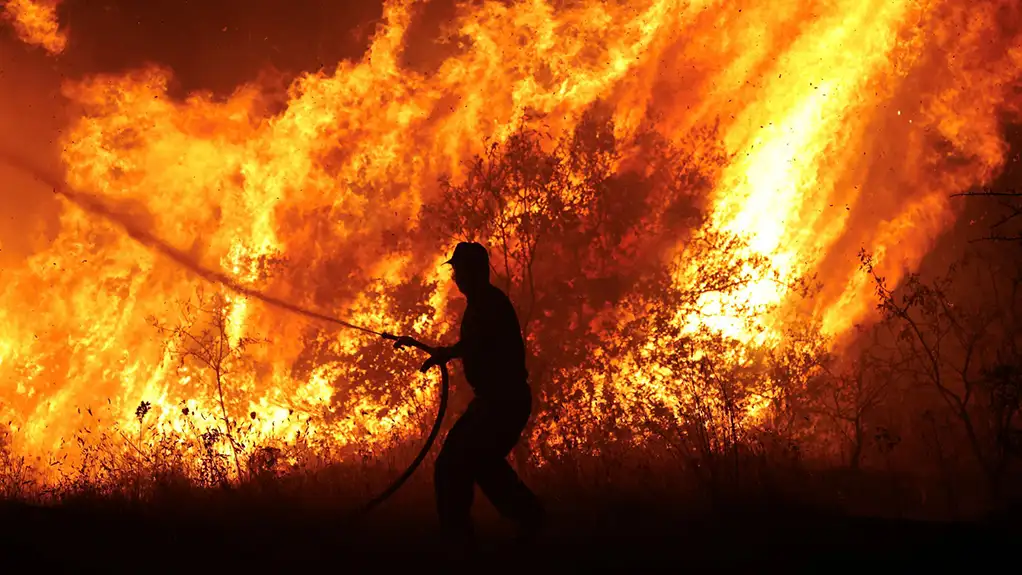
(439, 356)
(408, 341)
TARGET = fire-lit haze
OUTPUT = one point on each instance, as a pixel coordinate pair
(847, 123)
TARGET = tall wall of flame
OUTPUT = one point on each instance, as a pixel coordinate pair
(851, 122)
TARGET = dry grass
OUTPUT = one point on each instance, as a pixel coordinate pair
(620, 509)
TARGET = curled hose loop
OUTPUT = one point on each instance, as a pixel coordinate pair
(433, 433)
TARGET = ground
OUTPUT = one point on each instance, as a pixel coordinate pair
(603, 536)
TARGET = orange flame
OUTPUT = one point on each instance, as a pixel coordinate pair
(849, 123)
(36, 23)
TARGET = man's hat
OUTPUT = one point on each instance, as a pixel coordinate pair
(470, 255)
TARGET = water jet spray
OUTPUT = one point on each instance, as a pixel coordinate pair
(96, 207)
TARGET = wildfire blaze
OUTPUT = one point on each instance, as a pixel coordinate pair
(36, 23)
(816, 129)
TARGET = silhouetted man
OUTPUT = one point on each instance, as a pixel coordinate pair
(492, 353)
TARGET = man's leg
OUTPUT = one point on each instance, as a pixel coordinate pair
(503, 426)
(453, 479)
(508, 493)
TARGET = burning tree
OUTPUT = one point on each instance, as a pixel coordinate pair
(957, 335)
(616, 240)
(205, 339)
(847, 393)
(595, 237)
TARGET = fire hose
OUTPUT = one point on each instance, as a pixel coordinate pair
(145, 237)
(430, 439)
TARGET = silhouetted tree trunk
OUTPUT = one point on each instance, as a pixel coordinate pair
(203, 338)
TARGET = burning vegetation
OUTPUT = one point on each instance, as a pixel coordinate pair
(36, 23)
(711, 216)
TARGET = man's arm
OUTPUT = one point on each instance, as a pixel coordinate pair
(451, 351)
(454, 351)
(408, 341)
(437, 355)
(442, 355)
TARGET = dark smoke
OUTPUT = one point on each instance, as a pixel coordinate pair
(31, 119)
